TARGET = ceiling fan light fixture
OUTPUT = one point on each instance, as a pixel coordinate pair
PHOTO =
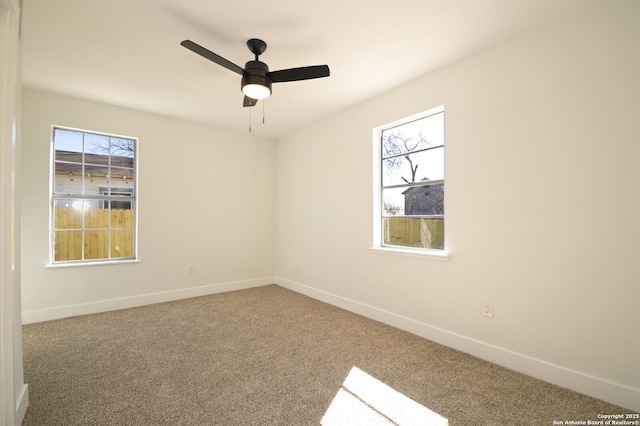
(255, 83)
(256, 91)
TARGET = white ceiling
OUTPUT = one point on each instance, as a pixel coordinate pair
(128, 53)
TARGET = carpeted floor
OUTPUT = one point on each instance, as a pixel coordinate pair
(263, 356)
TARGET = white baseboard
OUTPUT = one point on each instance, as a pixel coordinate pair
(614, 393)
(22, 403)
(49, 314)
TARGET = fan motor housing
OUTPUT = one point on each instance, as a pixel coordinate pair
(255, 72)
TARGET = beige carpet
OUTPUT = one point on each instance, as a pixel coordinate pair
(264, 356)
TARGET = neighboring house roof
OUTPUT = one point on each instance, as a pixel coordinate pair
(409, 189)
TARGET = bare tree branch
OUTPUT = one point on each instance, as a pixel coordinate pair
(395, 146)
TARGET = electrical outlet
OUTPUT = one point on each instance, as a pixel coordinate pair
(488, 309)
(191, 268)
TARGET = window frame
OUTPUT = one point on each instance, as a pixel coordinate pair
(378, 245)
(132, 198)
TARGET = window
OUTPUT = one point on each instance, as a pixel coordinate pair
(410, 183)
(93, 197)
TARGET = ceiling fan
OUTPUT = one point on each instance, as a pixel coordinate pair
(256, 77)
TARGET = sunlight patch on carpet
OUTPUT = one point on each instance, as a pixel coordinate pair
(364, 400)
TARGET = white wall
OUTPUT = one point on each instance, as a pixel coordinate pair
(542, 201)
(206, 197)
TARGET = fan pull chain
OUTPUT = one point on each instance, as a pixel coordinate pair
(263, 115)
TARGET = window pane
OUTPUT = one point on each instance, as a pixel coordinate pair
(94, 178)
(393, 202)
(95, 215)
(413, 167)
(96, 244)
(122, 243)
(67, 245)
(67, 141)
(96, 149)
(416, 135)
(123, 152)
(121, 218)
(413, 201)
(67, 178)
(413, 232)
(68, 213)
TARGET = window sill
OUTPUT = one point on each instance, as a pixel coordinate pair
(107, 262)
(407, 252)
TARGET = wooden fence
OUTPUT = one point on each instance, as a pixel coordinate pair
(101, 240)
(414, 232)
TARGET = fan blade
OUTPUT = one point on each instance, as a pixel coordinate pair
(205, 53)
(249, 102)
(302, 73)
